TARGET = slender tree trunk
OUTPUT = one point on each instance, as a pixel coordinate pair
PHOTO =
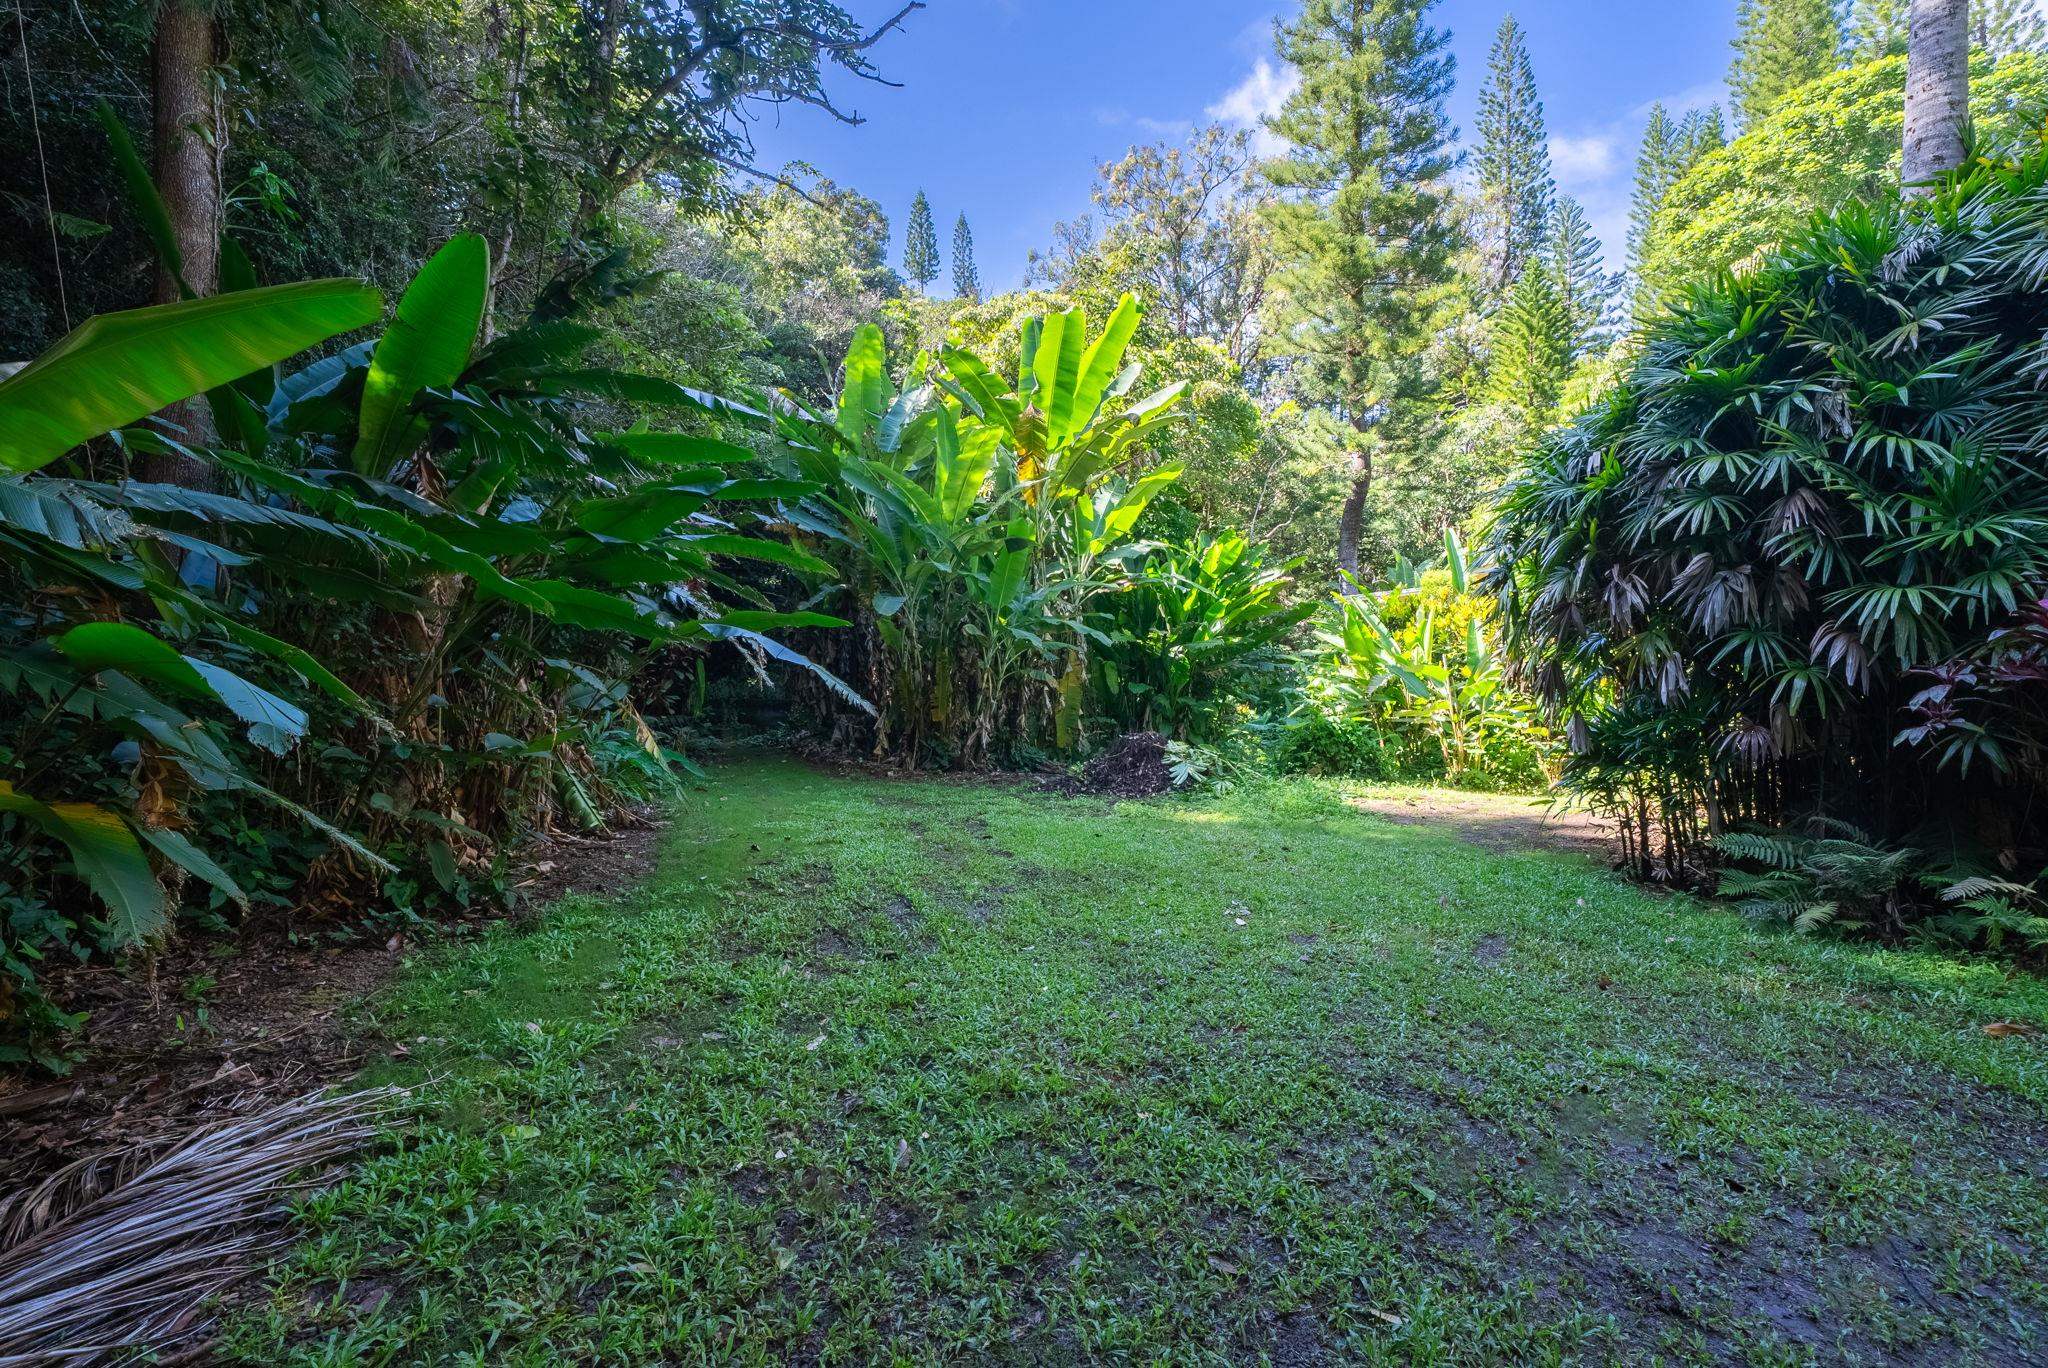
(1351, 525)
(187, 130)
(1937, 90)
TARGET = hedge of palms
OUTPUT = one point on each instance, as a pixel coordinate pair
(1796, 562)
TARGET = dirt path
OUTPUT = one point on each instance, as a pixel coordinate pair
(1495, 821)
(218, 1028)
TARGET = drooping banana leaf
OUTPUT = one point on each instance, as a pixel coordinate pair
(107, 858)
(119, 367)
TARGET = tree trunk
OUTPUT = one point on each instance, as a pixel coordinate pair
(187, 131)
(1937, 91)
(1351, 526)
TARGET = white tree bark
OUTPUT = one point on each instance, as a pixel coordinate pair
(1937, 90)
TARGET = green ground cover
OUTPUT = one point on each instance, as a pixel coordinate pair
(879, 1070)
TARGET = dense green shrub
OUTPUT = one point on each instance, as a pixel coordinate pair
(1189, 638)
(1409, 684)
(1791, 564)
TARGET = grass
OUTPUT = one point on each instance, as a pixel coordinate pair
(879, 1070)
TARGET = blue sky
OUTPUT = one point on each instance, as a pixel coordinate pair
(1008, 105)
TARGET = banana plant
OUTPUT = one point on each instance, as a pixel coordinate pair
(969, 516)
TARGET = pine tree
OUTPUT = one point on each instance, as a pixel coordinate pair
(1657, 167)
(1701, 131)
(921, 244)
(2002, 27)
(1877, 28)
(1578, 271)
(966, 279)
(1515, 184)
(1780, 45)
(1361, 226)
(1532, 350)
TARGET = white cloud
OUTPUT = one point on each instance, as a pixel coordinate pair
(1254, 99)
(1257, 95)
(1580, 161)
(1158, 128)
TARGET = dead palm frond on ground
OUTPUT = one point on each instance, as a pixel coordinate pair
(120, 1253)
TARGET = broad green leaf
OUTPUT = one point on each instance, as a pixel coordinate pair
(677, 448)
(864, 395)
(107, 857)
(143, 197)
(757, 548)
(1461, 572)
(1104, 360)
(96, 646)
(119, 367)
(641, 515)
(427, 346)
(1058, 368)
(180, 851)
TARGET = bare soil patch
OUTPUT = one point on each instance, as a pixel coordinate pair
(1501, 822)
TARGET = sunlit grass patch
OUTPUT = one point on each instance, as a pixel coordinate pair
(886, 1069)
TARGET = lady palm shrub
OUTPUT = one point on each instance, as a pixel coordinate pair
(971, 521)
(1794, 563)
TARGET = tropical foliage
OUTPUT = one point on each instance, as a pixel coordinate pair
(970, 520)
(1414, 671)
(1793, 562)
(402, 615)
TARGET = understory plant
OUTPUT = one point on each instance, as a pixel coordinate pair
(391, 598)
(1825, 874)
(1190, 637)
(1418, 661)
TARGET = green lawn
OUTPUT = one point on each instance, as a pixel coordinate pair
(881, 1070)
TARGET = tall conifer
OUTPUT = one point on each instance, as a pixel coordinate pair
(921, 243)
(966, 278)
(1780, 45)
(1361, 226)
(1515, 184)
(1585, 288)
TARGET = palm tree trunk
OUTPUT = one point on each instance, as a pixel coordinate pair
(1937, 90)
(187, 132)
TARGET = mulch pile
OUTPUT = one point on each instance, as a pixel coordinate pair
(1135, 767)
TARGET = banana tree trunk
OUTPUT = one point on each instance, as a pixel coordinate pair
(187, 131)
(1937, 91)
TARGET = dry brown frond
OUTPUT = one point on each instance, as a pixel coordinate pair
(121, 1252)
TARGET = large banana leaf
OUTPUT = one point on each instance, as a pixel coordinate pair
(864, 397)
(1103, 362)
(426, 347)
(119, 367)
(107, 858)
